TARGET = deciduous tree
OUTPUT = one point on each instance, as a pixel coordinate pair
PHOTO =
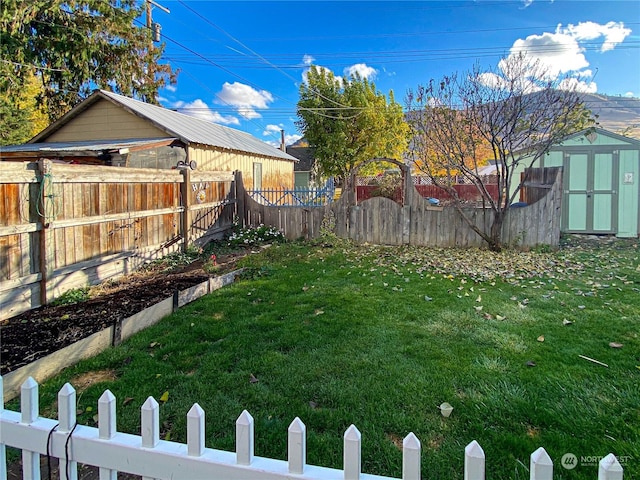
(348, 121)
(518, 112)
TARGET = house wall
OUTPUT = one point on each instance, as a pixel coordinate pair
(276, 173)
(105, 121)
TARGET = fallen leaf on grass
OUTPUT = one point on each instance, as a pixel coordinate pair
(531, 363)
(165, 397)
(500, 317)
(427, 298)
(127, 401)
(253, 379)
(541, 338)
(615, 345)
(478, 308)
(318, 312)
(566, 322)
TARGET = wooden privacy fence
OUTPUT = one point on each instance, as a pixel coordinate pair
(68, 226)
(151, 457)
(415, 221)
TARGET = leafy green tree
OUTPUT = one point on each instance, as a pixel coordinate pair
(21, 117)
(517, 113)
(348, 122)
(74, 47)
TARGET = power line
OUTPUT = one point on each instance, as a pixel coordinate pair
(253, 52)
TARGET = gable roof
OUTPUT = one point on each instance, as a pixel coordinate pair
(190, 130)
(305, 157)
(603, 132)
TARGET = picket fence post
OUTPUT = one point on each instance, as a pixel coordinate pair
(244, 438)
(67, 423)
(107, 427)
(474, 462)
(609, 468)
(195, 431)
(541, 465)
(150, 425)
(352, 453)
(411, 451)
(297, 446)
(29, 411)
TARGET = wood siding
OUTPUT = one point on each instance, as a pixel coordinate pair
(276, 173)
(69, 226)
(105, 121)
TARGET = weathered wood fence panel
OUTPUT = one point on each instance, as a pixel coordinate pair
(383, 221)
(149, 456)
(67, 226)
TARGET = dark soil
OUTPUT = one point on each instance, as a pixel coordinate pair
(39, 332)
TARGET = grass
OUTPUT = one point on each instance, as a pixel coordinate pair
(379, 337)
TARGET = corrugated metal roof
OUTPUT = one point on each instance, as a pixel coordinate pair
(195, 130)
(84, 146)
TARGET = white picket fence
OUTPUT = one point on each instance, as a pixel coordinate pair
(150, 457)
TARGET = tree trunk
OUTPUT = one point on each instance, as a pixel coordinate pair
(495, 242)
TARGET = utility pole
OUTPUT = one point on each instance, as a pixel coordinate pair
(154, 28)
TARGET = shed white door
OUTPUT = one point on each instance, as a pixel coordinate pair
(590, 193)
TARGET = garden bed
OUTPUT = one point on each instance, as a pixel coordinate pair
(37, 333)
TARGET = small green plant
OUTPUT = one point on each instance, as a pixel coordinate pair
(77, 295)
(175, 259)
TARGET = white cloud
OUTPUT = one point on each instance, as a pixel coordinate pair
(245, 99)
(614, 33)
(561, 53)
(171, 88)
(629, 94)
(274, 131)
(307, 60)
(577, 85)
(288, 139)
(557, 53)
(361, 69)
(201, 110)
(271, 129)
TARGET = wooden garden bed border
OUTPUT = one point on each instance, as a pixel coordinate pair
(47, 367)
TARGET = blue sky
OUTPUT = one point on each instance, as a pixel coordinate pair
(241, 63)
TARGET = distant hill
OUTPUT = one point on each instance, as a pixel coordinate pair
(617, 114)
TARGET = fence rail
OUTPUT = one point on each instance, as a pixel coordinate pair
(147, 455)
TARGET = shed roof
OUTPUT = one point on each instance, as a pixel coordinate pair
(90, 147)
(190, 130)
(606, 133)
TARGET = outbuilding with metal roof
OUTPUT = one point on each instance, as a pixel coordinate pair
(112, 129)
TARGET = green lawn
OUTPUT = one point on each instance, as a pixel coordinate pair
(380, 336)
